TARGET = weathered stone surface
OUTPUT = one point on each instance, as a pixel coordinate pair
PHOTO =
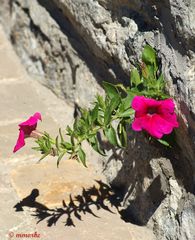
(19, 173)
(186, 215)
(73, 45)
(54, 184)
(66, 73)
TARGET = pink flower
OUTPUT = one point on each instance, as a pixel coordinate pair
(26, 129)
(155, 117)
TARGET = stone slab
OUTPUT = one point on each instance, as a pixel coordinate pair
(54, 184)
(19, 173)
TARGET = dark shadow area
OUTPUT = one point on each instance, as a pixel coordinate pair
(169, 29)
(139, 202)
(140, 209)
(184, 155)
(137, 190)
(99, 196)
(142, 13)
(30, 201)
(146, 167)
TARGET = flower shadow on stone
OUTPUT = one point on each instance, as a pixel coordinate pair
(30, 201)
(96, 196)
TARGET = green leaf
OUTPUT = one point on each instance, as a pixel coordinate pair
(114, 103)
(60, 157)
(163, 142)
(163, 96)
(36, 148)
(126, 113)
(149, 75)
(94, 112)
(107, 116)
(111, 136)
(135, 77)
(100, 118)
(152, 73)
(110, 108)
(110, 90)
(95, 145)
(160, 84)
(84, 113)
(82, 156)
(149, 55)
(133, 91)
(80, 127)
(122, 134)
(57, 144)
(67, 145)
(44, 156)
(61, 136)
(69, 130)
(72, 139)
(126, 102)
(101, 102)
(88, 121)
(121, 87)
(47, 142)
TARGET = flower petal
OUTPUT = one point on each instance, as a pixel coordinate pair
(167, 106)
(143, 123)
(137, 124)
(20, 142)
(160, 126)
(149, 124)
(171, 118)
(138, 103)
(150, 102)
(155, 117)
(32, 120)
(154, 125)
(37, 115)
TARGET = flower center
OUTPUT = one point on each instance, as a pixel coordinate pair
(152, 110)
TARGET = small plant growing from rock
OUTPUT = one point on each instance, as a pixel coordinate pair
(143, 104)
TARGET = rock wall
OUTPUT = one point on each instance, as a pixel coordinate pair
(72, 46)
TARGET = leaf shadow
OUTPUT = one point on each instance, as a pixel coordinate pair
(101, 196)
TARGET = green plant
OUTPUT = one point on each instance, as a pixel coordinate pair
(109, 115)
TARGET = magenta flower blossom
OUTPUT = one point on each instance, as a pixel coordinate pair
(26, 129)
(157, 117)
